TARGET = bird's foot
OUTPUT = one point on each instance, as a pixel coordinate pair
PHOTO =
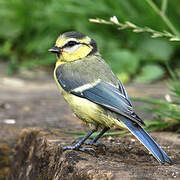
(92, 143)
(77, 148)
(97, 144)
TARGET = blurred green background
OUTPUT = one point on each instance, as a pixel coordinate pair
(29, 28)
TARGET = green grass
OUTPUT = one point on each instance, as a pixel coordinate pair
(166, 112)
(82, 134)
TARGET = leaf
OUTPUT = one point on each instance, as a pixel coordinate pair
(150, 73)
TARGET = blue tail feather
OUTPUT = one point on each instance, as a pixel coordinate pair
(146, 140)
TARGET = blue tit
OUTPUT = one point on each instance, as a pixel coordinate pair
(95, 94)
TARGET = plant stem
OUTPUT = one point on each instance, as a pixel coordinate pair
(164, 6)
(163, 16)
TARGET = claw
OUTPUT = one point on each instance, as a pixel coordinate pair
(91, 142)
(69, 148)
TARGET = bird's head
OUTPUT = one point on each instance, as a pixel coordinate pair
(71, 46)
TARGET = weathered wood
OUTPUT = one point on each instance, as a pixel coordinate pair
(38, 155)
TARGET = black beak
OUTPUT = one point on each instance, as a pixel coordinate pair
(55, 49)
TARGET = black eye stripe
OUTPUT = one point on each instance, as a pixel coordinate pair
(73, 43)
(70, 44)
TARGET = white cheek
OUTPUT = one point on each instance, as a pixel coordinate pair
(72, 49)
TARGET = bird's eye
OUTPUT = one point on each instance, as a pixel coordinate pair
(71, 43)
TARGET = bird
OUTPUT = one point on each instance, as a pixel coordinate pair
(95, 94)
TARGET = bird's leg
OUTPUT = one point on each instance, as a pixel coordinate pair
(80, 142)
(94, 141)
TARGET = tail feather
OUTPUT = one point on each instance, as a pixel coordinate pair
(146, 140)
